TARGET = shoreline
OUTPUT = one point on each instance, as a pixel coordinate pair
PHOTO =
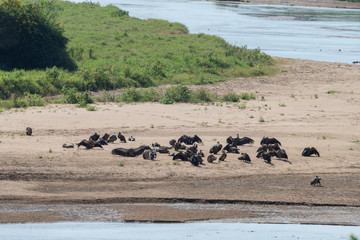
(298, 3)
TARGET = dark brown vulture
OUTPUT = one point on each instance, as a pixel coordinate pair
(245, 157)
(216, 148)
(308, 151)
(316, 181)
(149, 154)
(94, 137)
(239, 141)
(211, 158)
(223, 156)
(28, 131)
(121, 137)
(112, 139)
(267, 141)
(105, 137)
(130, 152)
(89, 144)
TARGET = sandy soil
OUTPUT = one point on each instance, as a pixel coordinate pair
(305, 3)
(296, 107)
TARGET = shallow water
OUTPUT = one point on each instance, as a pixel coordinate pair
(323, 34)
(208, 231)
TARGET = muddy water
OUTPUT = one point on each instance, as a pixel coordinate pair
(323, 34)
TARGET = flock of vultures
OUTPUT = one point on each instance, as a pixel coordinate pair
(186, 149)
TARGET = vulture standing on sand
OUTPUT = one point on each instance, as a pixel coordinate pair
(211, 158)
(121, 137)
(316, 181)
(245, 157)
(105, 137)
(223, 156)
(308, 151)
(267, 141)
(112, 139)
(28, 131)
(216, 148)
(94, 137)
(89, 144)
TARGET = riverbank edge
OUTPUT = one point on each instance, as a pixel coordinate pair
(297, 3)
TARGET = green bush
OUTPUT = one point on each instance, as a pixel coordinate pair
(30, 36)
(248, 96)
(131, 95)
(178, 93)
(201, 95)
(231, 97)
(72, 96)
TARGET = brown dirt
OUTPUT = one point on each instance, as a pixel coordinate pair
(296, 107)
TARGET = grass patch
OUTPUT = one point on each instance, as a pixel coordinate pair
(332, 92)
(282, 105)
(120, 164)
(261, 119)
(112, 50)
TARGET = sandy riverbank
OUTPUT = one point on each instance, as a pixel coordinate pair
(308, 104)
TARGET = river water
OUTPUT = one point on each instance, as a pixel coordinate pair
(323, 34)
(208, 231)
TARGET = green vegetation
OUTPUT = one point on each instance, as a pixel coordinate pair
(30, 36)
(112, 50)
(332, 92)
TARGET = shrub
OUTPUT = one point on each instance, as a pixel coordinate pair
(248, 96)
(201, 95)
(231, 97)
(30, 36)
(178, 93)
(72, 96)
(34, 100)
(131, 95)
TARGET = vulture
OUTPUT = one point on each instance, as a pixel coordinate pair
(68, 145)
(308, 151)
(239, 141)
(267, 141)
(189, 140)
(89, 144)
(105, 137)
(149, 154)
(266, 156)
(130, 152)
(223, 156)
(102, 142)
(112, 139)
(94, 137)
(211, 158)
(195, 160)
(315, 181)
(28, 131)
(245, 157)
(216, 148)
(172, 142)
(121, 137)
(269, 147)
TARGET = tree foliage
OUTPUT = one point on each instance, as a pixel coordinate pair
(30, 37)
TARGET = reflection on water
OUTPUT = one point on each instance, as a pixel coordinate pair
(208, 231)
(323, 34)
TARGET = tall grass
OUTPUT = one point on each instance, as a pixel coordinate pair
(113, 50)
